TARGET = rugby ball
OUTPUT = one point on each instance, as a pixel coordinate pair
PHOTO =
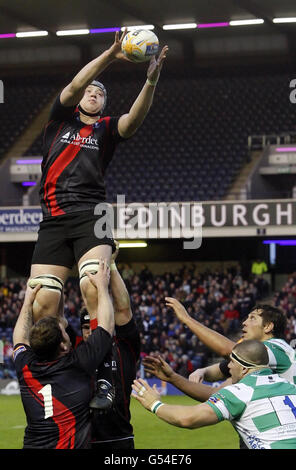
(140, 45)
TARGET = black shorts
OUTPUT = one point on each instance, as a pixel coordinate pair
(62, 240)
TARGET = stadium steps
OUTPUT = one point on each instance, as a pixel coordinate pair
(25, 140)
(237, 189)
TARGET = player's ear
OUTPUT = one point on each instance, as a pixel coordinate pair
(245, 371)
(268, 327)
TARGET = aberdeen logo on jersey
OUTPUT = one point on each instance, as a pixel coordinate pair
(84, 142)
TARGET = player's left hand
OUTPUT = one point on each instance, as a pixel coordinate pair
(145, 394)
(155, 65)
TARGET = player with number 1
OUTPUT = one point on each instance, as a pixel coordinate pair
(55, 381)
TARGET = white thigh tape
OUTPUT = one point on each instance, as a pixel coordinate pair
(90, 266)
(47, 281)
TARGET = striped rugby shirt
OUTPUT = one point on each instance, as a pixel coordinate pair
(262, 409)
(282, 358)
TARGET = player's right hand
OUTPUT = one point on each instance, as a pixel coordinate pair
(115, 50)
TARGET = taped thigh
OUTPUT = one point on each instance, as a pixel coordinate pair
(90, 266)
(48, 282)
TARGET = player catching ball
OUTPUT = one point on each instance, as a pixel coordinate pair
(78, 145)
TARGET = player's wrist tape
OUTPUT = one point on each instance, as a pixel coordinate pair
(113, 267)
(152, 82)
(155, 406)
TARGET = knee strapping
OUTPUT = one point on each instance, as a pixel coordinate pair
(47, 281)
(90, 266)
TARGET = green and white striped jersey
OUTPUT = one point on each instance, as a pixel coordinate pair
(262, 408)
(282, 358)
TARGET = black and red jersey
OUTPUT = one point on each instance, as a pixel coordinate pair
(115, 425)
(75, 158)
(56, 394)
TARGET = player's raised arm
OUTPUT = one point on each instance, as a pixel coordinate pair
(130, 122)
(73, 93)
(212, 339)
(191, 417)
(25, 319)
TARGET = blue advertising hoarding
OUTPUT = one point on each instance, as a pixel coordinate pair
(24, 219)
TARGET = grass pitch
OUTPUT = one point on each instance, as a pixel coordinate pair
(150, 432)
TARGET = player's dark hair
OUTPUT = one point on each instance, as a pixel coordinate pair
(273, 315)
(45, 338)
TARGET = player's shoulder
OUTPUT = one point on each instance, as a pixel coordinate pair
(278, 345)
(244, 389)
(19, 348)
(22, 355)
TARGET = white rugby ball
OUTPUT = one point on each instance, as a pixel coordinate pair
(139, 45)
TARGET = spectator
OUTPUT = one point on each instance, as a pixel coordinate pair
(259, 267)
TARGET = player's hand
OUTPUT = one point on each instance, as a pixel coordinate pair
(197, 376)
(158, 367)
(101, 278)
(114, 255)
(115, 50)
(155, 65)
(145, 394)
(178, 308)
(31, 294)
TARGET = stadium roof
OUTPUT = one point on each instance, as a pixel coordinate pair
(54, 15)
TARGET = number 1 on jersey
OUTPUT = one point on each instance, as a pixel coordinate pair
(288, 402)
(47, 397)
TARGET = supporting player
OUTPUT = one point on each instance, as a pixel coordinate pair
(112, 429)
(259, 404)
(78, 146)
(55, 380)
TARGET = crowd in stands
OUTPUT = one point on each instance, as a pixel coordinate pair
(220, 300)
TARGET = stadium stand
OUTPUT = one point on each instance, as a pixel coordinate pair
(25, 96)
(210, 297)
(194, 141)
